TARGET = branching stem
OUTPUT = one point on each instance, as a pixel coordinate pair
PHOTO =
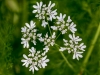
(65, 59)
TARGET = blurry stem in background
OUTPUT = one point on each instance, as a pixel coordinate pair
(90, 50)
(24, 11)
(65, 59)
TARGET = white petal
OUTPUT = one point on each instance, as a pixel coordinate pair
(25, 56)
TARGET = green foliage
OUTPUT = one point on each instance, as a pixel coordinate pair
(15, 13)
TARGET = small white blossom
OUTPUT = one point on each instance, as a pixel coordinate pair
(82, 46)
(37, 7)
(50, 6)
(69, 20)
(54, 27)
(72, 28)
(77, 55)
(42, 62)
(62, 49)
(74, 39)
(53, 35)
(31, 25)
(25, 42)
(49, 40)
(65, 42)
(64, 31)
(23, 29)
(52, 15)
(44, 23)
(26, 61)
(46, 48)
(39, 35)
(41, 39)
(61, 18)
(33, 67)
(32, 52)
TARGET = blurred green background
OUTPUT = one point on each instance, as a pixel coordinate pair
(15, 13)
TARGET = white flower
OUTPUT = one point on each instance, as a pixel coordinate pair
(62, 49)
(39, 35)
(41, 39)
(77, 55)
(31, 26)
(23, 29)
(74, 39)
(64, 31)
(61, 18)
(49, 40)
(44, 23)
(46, 48)
(32, 52)
(33, 67)
(69, 20)
(82, 46)
(65, 42)
(37, 7)
(26, 61)
(54, 27)
(42, 62)
(52, 15)
(72, 28)
(50, 6)
(34, 39)
(52, 42)
(25, 42)
(53, 35)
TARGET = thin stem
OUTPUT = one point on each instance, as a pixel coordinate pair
(58, 36)
(90, 50)
(65, 59)
(49, 28)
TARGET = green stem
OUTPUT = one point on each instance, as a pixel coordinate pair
(49, 28)
(90, 50)
(58, 36)
(65, 59)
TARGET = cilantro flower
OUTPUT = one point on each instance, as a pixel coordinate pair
(44, 12)
(42, 62)
(29, 33)
(50, 13)
(73, 46)
(35, 60)
(37, 7)
(77, 55)
(44, 23)
(72, 28)
(61, 18)
(25, 42)
(26, 61)
(69, 20)
(33, 67)
(74, 39)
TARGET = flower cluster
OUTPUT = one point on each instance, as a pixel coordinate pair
(45, 13)
(63, 25)
(30, 34)
(48, 41)
(73, 46)
(35, 60)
